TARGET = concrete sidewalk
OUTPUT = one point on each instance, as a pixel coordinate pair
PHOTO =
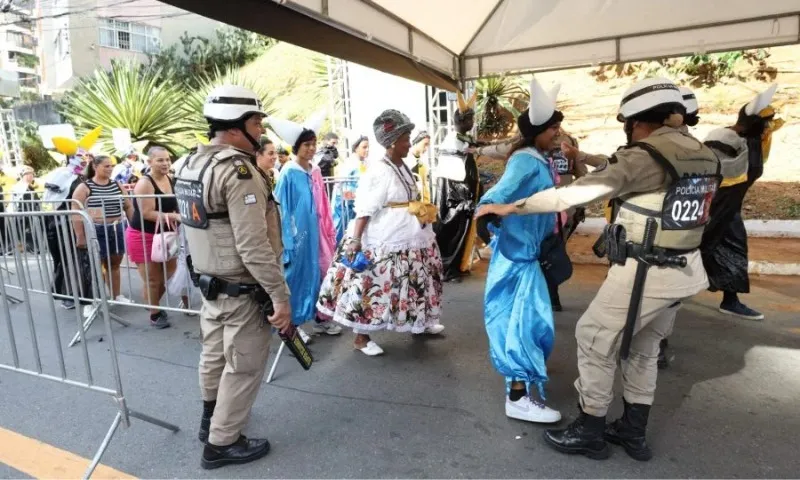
(767, 255)
(433, 407)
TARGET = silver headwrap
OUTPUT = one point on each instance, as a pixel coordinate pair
(391, 125)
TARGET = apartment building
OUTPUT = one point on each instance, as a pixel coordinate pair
(78, 36)
(19, 51)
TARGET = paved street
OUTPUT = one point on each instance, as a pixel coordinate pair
(431, 407)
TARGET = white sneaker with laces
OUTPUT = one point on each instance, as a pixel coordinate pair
(529, 410)
(328, 328)
(304, 336)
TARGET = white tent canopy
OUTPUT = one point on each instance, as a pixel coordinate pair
(468, 39)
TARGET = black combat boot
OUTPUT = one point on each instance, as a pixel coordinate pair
(583, 436)
(629, 431)
(244, 450)
(205, 420)
(663, 361)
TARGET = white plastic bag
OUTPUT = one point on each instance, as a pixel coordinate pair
(180, 281)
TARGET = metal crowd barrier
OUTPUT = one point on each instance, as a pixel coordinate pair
(15, 315)
(120, 243)
(61, 244)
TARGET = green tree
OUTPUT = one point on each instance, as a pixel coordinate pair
(34, 153)
(196, 58)
(195, 98)
(494, 109)
(143, 99)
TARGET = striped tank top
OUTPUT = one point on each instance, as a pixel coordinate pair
(113, 206)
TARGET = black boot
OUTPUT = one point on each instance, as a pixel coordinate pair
(205, 420)
(663, 362)
(243, 450)
(629, 431)
(583, 436)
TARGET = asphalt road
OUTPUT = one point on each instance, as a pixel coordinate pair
(431, 407)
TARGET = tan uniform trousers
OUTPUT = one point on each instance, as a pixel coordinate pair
(599, 336)
(235, 351)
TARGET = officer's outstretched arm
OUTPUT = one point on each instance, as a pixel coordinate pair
(247, 209)
(626, 171)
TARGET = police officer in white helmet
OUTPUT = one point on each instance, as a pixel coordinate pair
(663, 175)
(234, 238)
(690, 119)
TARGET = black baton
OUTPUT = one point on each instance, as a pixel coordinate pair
(634, 308)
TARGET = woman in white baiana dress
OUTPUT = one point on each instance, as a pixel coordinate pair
(400, 287)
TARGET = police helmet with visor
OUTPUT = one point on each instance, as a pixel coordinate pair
(692, 107)
(230, 106)
(654, 100)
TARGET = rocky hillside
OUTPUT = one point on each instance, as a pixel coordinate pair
(590, 107)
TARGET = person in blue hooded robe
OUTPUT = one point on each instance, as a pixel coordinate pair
(344, 193)
(300, 228)
(517, 308)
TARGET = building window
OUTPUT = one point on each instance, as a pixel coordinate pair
(135, 37)
(20, 40)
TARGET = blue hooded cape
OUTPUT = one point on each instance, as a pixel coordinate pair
(517, 309)
(300, 240)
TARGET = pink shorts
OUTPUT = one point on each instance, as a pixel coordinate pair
(138, 245)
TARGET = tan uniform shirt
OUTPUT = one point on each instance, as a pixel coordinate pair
(252, 253)
(627, 171)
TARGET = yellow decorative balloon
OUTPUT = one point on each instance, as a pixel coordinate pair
(66, 146)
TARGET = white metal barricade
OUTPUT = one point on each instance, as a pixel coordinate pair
(114, 241)
(46, 318)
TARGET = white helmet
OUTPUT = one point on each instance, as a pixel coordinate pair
(647, 95)
(230, 103)
(689, 101)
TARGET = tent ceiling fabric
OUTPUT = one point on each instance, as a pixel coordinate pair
(451, 40)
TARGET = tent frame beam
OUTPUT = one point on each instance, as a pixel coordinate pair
(604, 64)
(323, 16)
(619, 38)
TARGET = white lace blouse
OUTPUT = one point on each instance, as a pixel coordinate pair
(389, 229)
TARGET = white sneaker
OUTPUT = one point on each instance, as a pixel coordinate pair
(304, 336)
(529, 410)
(372, 349)
(329, 328)
(123, 299)
(88, 310)
(435, 329)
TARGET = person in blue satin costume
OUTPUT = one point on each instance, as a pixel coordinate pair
(300, 238)
(517, 308)
(343, 198)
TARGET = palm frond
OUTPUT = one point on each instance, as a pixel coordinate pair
(139, 98)
(495, 111)
(192, 104)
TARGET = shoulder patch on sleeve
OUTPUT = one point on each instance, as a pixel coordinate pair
(242, 171)
(250, 199)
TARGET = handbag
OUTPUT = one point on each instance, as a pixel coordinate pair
(556, 265)
(165, 246)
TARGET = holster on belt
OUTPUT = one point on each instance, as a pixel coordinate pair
(612, 244)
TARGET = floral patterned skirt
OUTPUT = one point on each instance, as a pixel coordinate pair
(400, 291)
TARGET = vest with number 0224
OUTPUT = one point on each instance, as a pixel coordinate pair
(681, 209)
